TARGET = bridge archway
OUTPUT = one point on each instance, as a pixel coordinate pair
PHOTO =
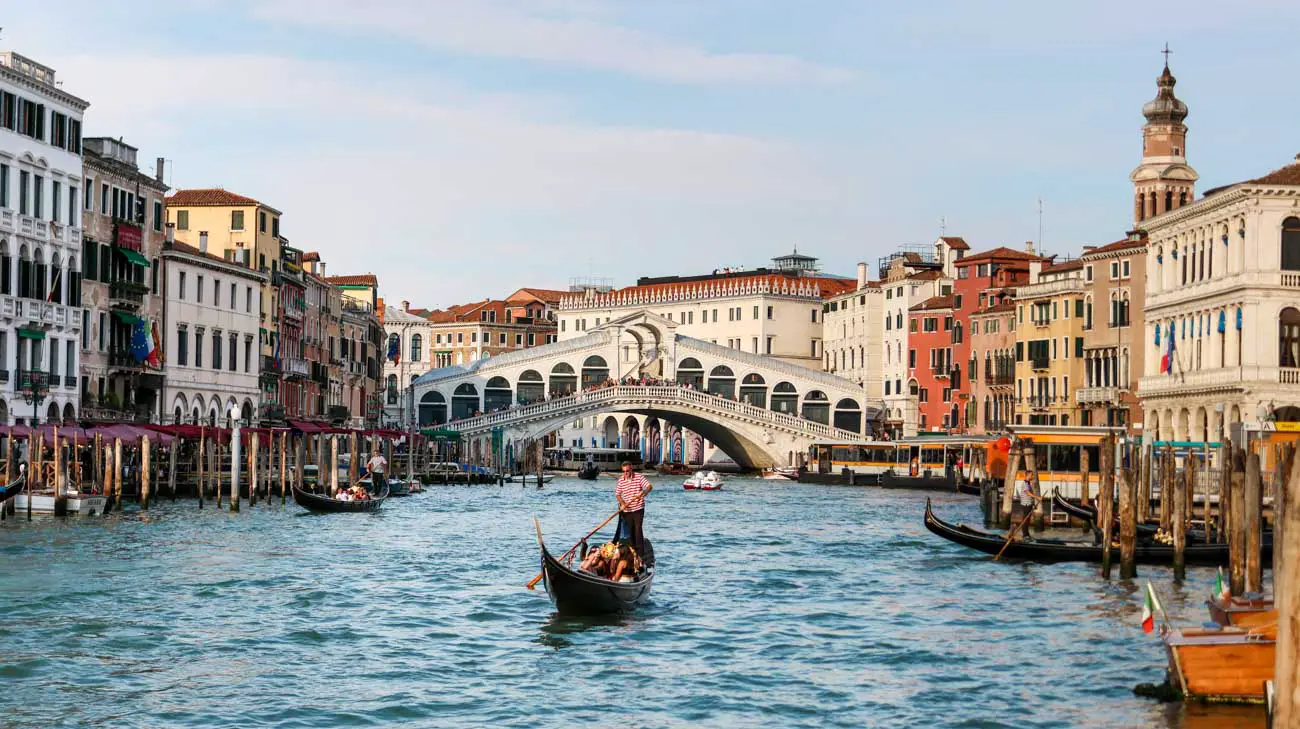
(785, 399)
(816, 407)
(609, 432)
(594, 371)
(722, 382)
(531, 387)
(433, 408)
(848, 415)
(676, 445)
(691, 372)
(496, 394)
(563, 379)
(464, 401)
(753, 390)
(653, 441)
(631, 432)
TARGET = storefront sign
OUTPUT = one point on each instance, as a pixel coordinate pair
(128, 236)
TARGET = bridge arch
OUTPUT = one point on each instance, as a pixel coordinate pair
(722, 381)
(432, 408)
(531, 387)
(594, 371)
(631, 432)
(753, 390)
(816, 407)
(563, 379)
(691, 372)
(497, 394)
(652, 452)
(785, 399)
(848, 415)
(464, 401)
(609, 432)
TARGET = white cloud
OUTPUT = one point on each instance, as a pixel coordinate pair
(566, 33)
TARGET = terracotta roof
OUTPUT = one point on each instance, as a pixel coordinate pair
(926, 276)
(1001, 252)
(550, 296)
(933, 303)
(954, 242)
(310, 256)
(1073, 265)
(364, 279)
(1119, 245)
(1289, 175)
(997, 308)
(180, 247)
(209, 196)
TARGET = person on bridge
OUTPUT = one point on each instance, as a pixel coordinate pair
(631, 491)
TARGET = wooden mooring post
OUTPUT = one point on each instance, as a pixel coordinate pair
(1009, 485)
(299, 459)
(1084, 473)
(1106, 505)
(334, 465)
(107, 464)
(1144, 485)
(1205, 501)
(1254, 504)
(60, 497)
(198, 466)
(117, 472)
(1237, 525)
(1286, 597)
(214, 468)
(1181, 487)
(354, 464)
(171, 466)
(1128, 526)
(253, 464)
(1225, 494)
(284, 473)
(146, 472)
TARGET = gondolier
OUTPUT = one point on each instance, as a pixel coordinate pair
(630, 492)
(1027, 499)
(376, 467)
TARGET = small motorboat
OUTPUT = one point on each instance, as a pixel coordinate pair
(589, 472)
(1224, 664)
(529, 478)
(325, 504)
(781, 473)
(78, 502)
(703, 481)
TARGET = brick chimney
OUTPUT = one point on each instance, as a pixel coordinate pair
(406, 306)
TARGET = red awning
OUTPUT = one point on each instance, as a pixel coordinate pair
(306, 426)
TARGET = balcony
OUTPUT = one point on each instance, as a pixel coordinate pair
(940, 372)
(1001, 380)
(1224, 379)
(1048, 288)
(1098, 395)
(1039, 402)
(271, 411)
(121, 358)
(32, 380)
(296, 313)
(126, 294)
(294, 367)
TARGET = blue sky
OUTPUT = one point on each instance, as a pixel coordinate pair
(459, 149)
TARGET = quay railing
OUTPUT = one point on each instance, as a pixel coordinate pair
(625, 395)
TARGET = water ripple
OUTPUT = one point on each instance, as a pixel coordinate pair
(775, 605)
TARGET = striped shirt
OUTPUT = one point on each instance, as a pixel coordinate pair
(630, 489)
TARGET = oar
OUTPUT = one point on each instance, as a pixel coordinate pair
(533, 582)
(1011, 534)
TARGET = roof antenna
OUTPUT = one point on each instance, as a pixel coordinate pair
(943, 226)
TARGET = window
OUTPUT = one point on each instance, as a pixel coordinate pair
(1124, 270)
(88, 195)
(56, 200)
(180, 285)
(182, 346)
(769, 313)
(963, 273)
(199, 288)
(275, 227)
(182, 220)
(911, 358)
(24, 179)
(1289, 337)
(261, 222)
(814, 316)
(1087, 273)
(755, 311)
(248, 299)
(234, 352)
(4, 186)
(157, 215)
(1114, 269)
(1290, 244)
(248, 353)
(216, 292)
(911, 325)
(236, 219)
(198, 348)
(216, 350)
(38, 189)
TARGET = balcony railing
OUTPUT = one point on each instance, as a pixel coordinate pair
(123, 358)
(999, 380)
(126, 293)
(269, 365)
(1097, 395)
(944, 372)
(32, 380)
(294, 366)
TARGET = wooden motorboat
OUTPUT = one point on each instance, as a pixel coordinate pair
(530, 478)
(324, 504)
(674, 469)
(703, 481)
(1058, 550)
(78, 502)
(575, 592)
(1222, 665)
(1242, 610)
(781, 473)
(589, 472)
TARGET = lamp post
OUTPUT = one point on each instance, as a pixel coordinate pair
(234, 457)
(35, 386)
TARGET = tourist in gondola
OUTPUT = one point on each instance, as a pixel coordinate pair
(625, 565)
(631, 492)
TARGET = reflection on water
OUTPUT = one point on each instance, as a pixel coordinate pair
(803, 606)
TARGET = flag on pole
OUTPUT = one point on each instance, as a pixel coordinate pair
(1221, 590)
(1167, 361)
(1149, 609)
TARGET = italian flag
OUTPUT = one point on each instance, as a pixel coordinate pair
(1149, 609)
(1221, 591)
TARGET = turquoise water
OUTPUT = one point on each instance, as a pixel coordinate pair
(775, 605)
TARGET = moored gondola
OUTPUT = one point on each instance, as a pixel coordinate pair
(1089, 514)
(1057, 550)
(323, 504)
(589, 472)
(575, 592)
(970, 488)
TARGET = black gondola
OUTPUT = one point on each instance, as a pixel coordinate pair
(1057, 550)
(589, 472)
(1089, 514)
(578, 593)
(325, 505)
(970, 488)
(11, 489)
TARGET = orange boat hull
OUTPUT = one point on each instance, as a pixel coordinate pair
(1218, 666)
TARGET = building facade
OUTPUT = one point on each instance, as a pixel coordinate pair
(930, 362)
(1049, 344)
(121, 291)
(908, 277)
(852, 325)
(1222, 327)
(361, 341)
(1114, 277)
(211, 351)
(414, 356)
(41, 193)
(991, 368)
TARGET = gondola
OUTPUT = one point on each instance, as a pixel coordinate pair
(322, 504)
(1089, 515)
(589, 472)
(578, 593)
(11, 489)
(970, 488)
(1056, 550)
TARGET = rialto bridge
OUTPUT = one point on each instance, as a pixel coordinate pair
(759, 410)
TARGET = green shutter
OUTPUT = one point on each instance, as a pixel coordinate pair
(1078, 346)
(1020, 351)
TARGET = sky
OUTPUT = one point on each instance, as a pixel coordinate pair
(461, 149)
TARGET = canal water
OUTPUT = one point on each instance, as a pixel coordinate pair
(775, 605)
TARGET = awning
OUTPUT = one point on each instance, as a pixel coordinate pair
(126, 318)
(31, 333)
(132, 256)
(306, 426)
(441, 434)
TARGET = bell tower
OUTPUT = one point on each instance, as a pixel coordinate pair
(1163, 181)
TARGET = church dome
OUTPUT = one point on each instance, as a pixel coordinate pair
(1165, 107)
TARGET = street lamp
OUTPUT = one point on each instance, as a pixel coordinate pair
(35, 386)
(234, 455)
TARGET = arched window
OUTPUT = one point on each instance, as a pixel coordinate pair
(1291, 244)
(417, 346)
(1169, 200)
(1288, 324)
(394, 347)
